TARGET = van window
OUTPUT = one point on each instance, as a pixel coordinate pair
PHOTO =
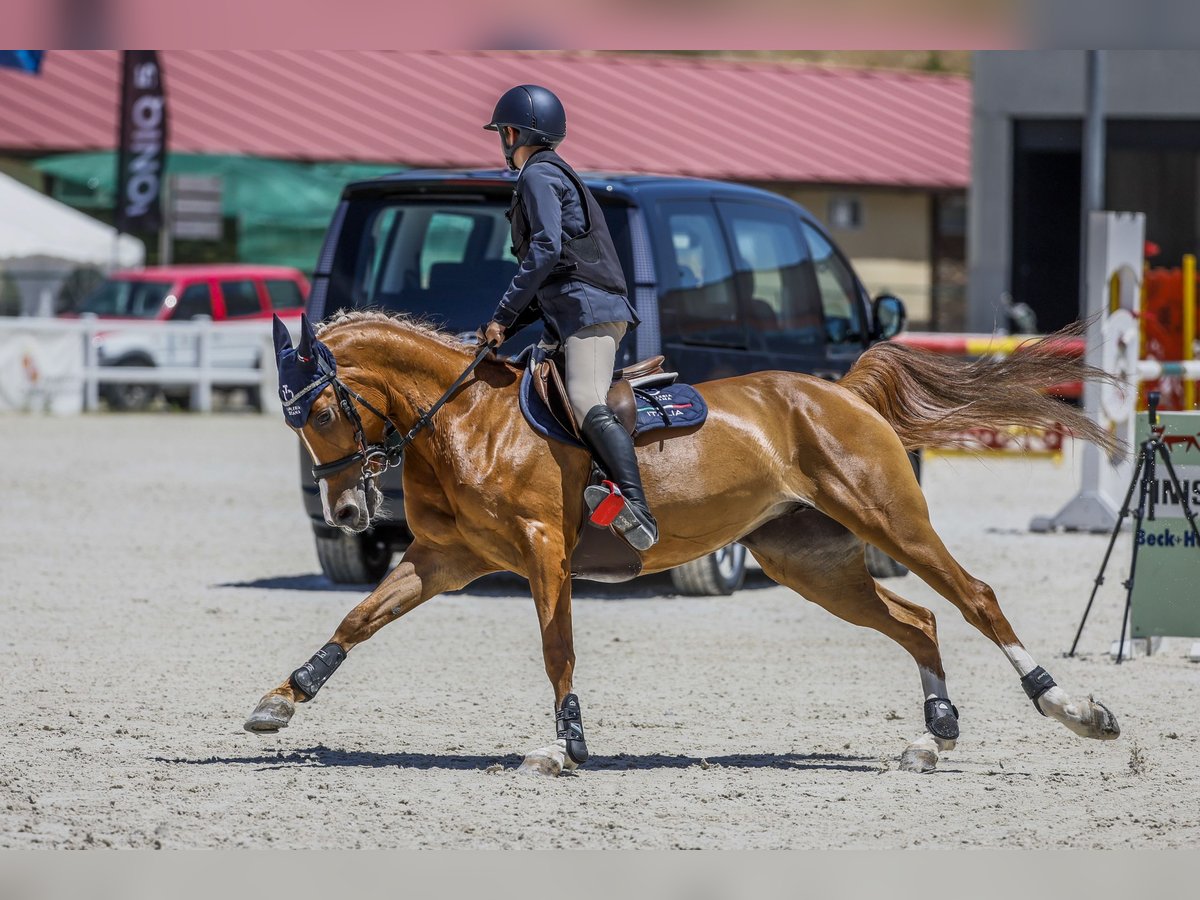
(699, 304)
(447, 261)
(241, 299)
(838, 287)
(284, 293)
(446, 239)
(196, 300)
(774, 274)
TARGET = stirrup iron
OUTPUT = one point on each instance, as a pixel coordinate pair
(608, 506)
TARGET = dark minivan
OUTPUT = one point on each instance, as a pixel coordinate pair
(727, 279)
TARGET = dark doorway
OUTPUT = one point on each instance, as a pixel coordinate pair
(1046, 226)
(1151, 166)
(1163, 184)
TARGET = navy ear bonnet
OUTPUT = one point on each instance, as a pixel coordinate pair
(303, 371)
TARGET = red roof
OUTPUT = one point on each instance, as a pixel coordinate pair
(747, 121)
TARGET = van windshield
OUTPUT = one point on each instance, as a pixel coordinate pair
(447, 261)
(130, 299)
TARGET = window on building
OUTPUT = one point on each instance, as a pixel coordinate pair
(838, 289)
(774, 274)
(952, 215)
(845, 212)
(699, 303)
(241, 299)
(196, 300)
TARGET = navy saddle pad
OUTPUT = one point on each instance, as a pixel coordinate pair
(663, 408)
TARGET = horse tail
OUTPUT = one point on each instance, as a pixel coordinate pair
(933, 400)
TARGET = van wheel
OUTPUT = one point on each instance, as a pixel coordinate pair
(880, 565)
(719, 573)
(130, 397)
(353, 558)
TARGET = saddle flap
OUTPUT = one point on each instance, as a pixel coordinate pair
(548, 382)
(549, 386)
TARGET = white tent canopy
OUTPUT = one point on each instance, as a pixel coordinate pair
(32, 224)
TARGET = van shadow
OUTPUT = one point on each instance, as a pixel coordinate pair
(502, 584)
(326, 757)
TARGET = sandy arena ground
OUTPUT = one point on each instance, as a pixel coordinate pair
(158, 577)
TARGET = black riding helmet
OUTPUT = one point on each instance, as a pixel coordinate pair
(537, 115)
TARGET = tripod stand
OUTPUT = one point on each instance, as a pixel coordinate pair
(1144, 476)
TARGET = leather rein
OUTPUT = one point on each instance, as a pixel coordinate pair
(378, 457)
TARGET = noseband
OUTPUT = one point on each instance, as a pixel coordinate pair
(378, 457)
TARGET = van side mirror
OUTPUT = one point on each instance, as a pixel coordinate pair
(889, 317)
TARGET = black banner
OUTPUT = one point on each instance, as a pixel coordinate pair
(142, 154)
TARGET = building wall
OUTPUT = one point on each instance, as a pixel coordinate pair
(891, 249)
(1049, 84)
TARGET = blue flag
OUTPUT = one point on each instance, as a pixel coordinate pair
(25, 60)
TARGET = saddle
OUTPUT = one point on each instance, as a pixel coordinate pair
(645, 400)
(550, 386)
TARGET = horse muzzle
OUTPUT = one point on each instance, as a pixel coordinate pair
(352, 512)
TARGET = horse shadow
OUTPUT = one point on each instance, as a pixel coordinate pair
(321, 756)
(502, 584)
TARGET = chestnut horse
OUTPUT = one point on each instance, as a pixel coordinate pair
(802, 471)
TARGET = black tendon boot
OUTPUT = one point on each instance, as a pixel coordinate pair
(614, 449)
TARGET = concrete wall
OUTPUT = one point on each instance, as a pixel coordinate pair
(891, 251)
(1018, 84)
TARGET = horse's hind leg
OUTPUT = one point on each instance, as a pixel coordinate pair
(423, 573)
(896, 520)
(823, 562)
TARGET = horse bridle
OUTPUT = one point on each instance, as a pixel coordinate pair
(377, 457)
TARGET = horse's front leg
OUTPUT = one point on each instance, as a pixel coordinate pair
(424, 572)
(550, 583)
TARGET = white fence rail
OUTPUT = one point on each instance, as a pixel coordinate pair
(60, 365)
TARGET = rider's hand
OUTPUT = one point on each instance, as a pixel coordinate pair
(492, 333)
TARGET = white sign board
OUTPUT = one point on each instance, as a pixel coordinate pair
(40, 371)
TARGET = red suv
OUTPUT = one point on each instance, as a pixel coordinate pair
(224, 293)
(185, 292)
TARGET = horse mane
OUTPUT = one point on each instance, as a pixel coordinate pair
(405, 321)
(410, 322)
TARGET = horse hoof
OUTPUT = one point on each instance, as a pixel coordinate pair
(1104, 724)
(534, 764)
(272, 713)
(549, 761)
(917, 760)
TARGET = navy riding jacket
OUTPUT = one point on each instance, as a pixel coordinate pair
(553, 208)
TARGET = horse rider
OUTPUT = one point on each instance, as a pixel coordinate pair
(571, 278)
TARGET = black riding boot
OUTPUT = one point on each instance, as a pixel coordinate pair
(614, 449)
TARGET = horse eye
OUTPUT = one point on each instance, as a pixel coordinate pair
(325, 417)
